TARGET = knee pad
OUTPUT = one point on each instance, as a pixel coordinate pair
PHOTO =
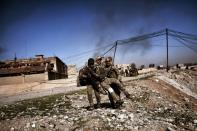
(110, 90)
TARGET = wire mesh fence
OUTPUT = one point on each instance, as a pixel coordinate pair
(165, 47)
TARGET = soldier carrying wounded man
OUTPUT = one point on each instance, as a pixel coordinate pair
(97, 80)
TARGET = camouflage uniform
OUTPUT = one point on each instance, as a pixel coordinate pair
(90, 94)
(99, 89)
(106, 82)
(133, 70)
(91, 82)
(122, 73)
(99, 70)
(126, 73)
(112, 72)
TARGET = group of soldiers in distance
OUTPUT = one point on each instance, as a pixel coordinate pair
(130, 71)
(102, 77)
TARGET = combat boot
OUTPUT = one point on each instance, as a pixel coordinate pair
(128, 95)
(118, 104)
(98, 105)
(91, 107)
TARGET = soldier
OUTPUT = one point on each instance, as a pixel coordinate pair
(99, 66)
(122, 73)
(86, 78)
(133, 70)
(99, 61)
(98, 69)
(127, 71)
(111, 72)
(106, 83)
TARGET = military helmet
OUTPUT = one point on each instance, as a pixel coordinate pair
(132, 65)
(108, 59)
(98, 58)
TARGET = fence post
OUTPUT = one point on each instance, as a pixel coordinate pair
(167, 68)
(115, 51)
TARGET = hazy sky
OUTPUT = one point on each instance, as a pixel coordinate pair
(65, 28)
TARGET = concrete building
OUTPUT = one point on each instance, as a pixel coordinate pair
(36, 69)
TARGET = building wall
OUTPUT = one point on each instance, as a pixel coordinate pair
(11, 80)
(59, 70)
(72, 70)
(53, 61)
(55, 75)
(36, 77)
(23, 79)
(60, 66)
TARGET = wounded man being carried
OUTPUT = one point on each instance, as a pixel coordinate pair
(87, 76)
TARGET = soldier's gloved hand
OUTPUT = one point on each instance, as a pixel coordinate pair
(102, 77)
(88, 75)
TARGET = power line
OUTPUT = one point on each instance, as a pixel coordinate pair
(185, 35)
(143, 37)
(180, 37)
(78, 58)
(186, 40)
(168, 46)
(176, 38)
(108, 50)
(89, 51)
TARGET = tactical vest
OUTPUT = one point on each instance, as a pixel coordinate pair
(112, 72)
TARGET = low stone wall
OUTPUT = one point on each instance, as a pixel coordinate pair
(23, 79)
(147, 70)
(16, 92)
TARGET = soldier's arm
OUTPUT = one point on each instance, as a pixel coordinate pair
(117, 73)
(95, 75)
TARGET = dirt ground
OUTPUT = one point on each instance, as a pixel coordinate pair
(155, 105)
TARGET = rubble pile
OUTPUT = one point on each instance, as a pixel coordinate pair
(150, 108)
(188, 78)
(183, 80)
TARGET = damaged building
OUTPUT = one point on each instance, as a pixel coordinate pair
(35, 69)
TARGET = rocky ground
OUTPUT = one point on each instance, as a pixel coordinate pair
(155, 105)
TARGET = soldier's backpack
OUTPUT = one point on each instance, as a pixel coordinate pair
(81, 78)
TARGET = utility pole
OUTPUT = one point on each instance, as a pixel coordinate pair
(15, 58)
(167, 49)
(115, 51)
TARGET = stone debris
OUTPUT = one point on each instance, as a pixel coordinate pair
(185, 81)
(33, 125)
(150, 108)
(12, 129)
(27, 125)
(195, 121)
(170, 129)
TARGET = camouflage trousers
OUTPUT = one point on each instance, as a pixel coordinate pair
(108, 82)
(106, 85)
(90, 95)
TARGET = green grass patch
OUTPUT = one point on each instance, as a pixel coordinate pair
(46, 105)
